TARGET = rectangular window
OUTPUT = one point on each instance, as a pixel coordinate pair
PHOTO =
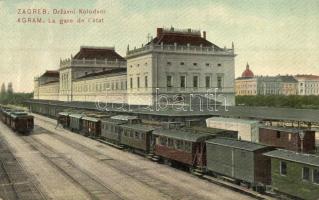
(316, 176)
(146, 82)
(163, 141)
(305, 173)
(283, 168)
(169, 81)
(131, 82)
(195, 81)
(278, 134)
(207, 81)
(219, 82)
(138, 82)
(183, 82)
(170, 143)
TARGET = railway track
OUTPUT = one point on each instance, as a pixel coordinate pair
(130, 170)
(83, 179)
(173, 191)
(14, 182)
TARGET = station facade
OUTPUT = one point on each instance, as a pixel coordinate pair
(177, 64)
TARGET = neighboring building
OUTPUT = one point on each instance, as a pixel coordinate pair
(276, 85)
(288, 138)
(176, 63)
(246, 84)
(247, 129)
(308, 84)
(46, 86)
(295, 174)
(250, 85)
(179, 62)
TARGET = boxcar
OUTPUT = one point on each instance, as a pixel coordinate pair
(181, 146)
(76, 122)
(137, 136)
(295, 174)
(21, 122)
(64, 119)
(241, 160)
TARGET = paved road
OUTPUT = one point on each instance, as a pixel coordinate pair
(65, 165)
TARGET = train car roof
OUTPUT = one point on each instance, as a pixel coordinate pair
(182, 134)
(293, 156)
(76, 115)
(92, 119)
(140, 127)
(204, 129)
(113, 121)
(237, 144)
(64, 113)
(124, 117)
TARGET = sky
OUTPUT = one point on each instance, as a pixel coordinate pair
(273, 36)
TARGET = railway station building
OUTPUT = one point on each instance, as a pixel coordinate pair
(177, 64)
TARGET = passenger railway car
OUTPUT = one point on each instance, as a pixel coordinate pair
(111, 129)
(21, 122)
(181, 147)
(92, 125)
(242, 161)
(295, 174)
(137, 137)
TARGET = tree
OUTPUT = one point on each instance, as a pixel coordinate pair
(3, 89)
(10, 88)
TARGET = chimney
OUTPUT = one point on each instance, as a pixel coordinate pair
(159, 31)
(204, 35)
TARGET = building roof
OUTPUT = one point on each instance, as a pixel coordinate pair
(256, 112)
(237, 144)
(51, 73)
(308, 159)
(181, 134)
(233, 120)
(278, 78)
(106, 72)
(247, 73)
(284, 129)
(99, 53)
(181, 37)
(307, 77)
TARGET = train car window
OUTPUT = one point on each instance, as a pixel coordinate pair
(163, 141)
(143, 136)
(170, 143)
(316, 176)
(137, 136)
(131, 134)
(125, 133)
(283, 168)
(305, 173)
(188, 146)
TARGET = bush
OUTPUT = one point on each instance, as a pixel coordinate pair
(292, 101)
